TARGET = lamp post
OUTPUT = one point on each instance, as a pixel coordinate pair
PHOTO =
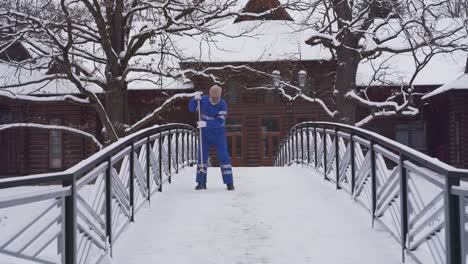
(276, 78)
(302, 78)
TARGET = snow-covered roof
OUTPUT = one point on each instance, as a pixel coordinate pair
(461, 83)
(270, 40)
(398, 69)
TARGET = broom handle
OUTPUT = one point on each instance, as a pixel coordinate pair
(202, 169)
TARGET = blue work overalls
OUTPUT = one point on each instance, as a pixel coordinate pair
(213, 134)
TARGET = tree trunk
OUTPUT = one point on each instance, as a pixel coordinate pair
(345, 80)
(117, 106)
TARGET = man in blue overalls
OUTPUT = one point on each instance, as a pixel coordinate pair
(213, 115)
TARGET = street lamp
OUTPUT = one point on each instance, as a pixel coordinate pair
(302, 77)
(276, 78)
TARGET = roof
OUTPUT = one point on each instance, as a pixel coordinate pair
(270, 40)
(461, 83)
(398, 69)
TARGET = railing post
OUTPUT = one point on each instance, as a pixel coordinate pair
(177, 150)
(160, 163)
(297, 146)
(373, 181)
(148, 178)
(308, 145)
(182, 135)
(132, 182)
(403, 205)
(193, 149)
(324, 139)
(337, 159)
(70, 222)
(109, 203)
(169, 163)
(302, 145)
(315, 147)
(353, 164)
(452, 221)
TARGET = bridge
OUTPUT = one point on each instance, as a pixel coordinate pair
(337, 194)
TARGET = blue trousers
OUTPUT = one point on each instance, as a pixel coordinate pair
(216, 137)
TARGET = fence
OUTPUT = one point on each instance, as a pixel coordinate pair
(76, 216)
(418, 199)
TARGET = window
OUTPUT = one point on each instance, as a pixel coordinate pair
(270, 125)
(310, 87)
(6, 116)
(55, 146)
(233, 93)
(412, 134)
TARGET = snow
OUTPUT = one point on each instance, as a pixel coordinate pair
(461, 83)
(270, 40)
(275, 215)
(398, 69)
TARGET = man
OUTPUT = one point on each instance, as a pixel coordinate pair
(213, 115)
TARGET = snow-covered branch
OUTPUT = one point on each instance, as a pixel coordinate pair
(52, 127)
(150, 117)
(64, 98)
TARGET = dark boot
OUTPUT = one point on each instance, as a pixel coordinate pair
(230, 187)
(200, 186)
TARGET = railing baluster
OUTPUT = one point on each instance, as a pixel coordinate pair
(148, 181)
(177, 150)
(452, 221)
(337, 160)
(403, 205)
(70, 222)
(160, 163)
(315, 146)
(109, 203)
(308, 145)
(132, 182)
(324, 139)
(297, 146)
(302, 145)
(353, 164)
(182, 148)
(169, 151)
(373, 181)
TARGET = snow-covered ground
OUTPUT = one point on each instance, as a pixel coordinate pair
(275, 215)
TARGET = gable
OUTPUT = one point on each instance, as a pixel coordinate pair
(260, 6)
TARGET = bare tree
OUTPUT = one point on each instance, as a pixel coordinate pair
(106, 46)
(355, 31)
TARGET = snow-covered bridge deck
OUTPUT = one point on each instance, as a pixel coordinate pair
(275, 215)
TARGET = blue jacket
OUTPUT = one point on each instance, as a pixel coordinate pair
(213, 115)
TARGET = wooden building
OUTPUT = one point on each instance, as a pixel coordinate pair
(25, 151)
(446, 116)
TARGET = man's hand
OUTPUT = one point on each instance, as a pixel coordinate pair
(201, 124)
(198, 95)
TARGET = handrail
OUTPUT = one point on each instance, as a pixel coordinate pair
(97, 158)
(90, 204)
(414, 196)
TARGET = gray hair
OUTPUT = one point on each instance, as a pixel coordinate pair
(216, 89)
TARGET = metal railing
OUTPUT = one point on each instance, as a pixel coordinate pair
(418, 199)
(75, 216)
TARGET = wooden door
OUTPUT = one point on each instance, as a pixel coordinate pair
(235, 141)
(269, 139)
